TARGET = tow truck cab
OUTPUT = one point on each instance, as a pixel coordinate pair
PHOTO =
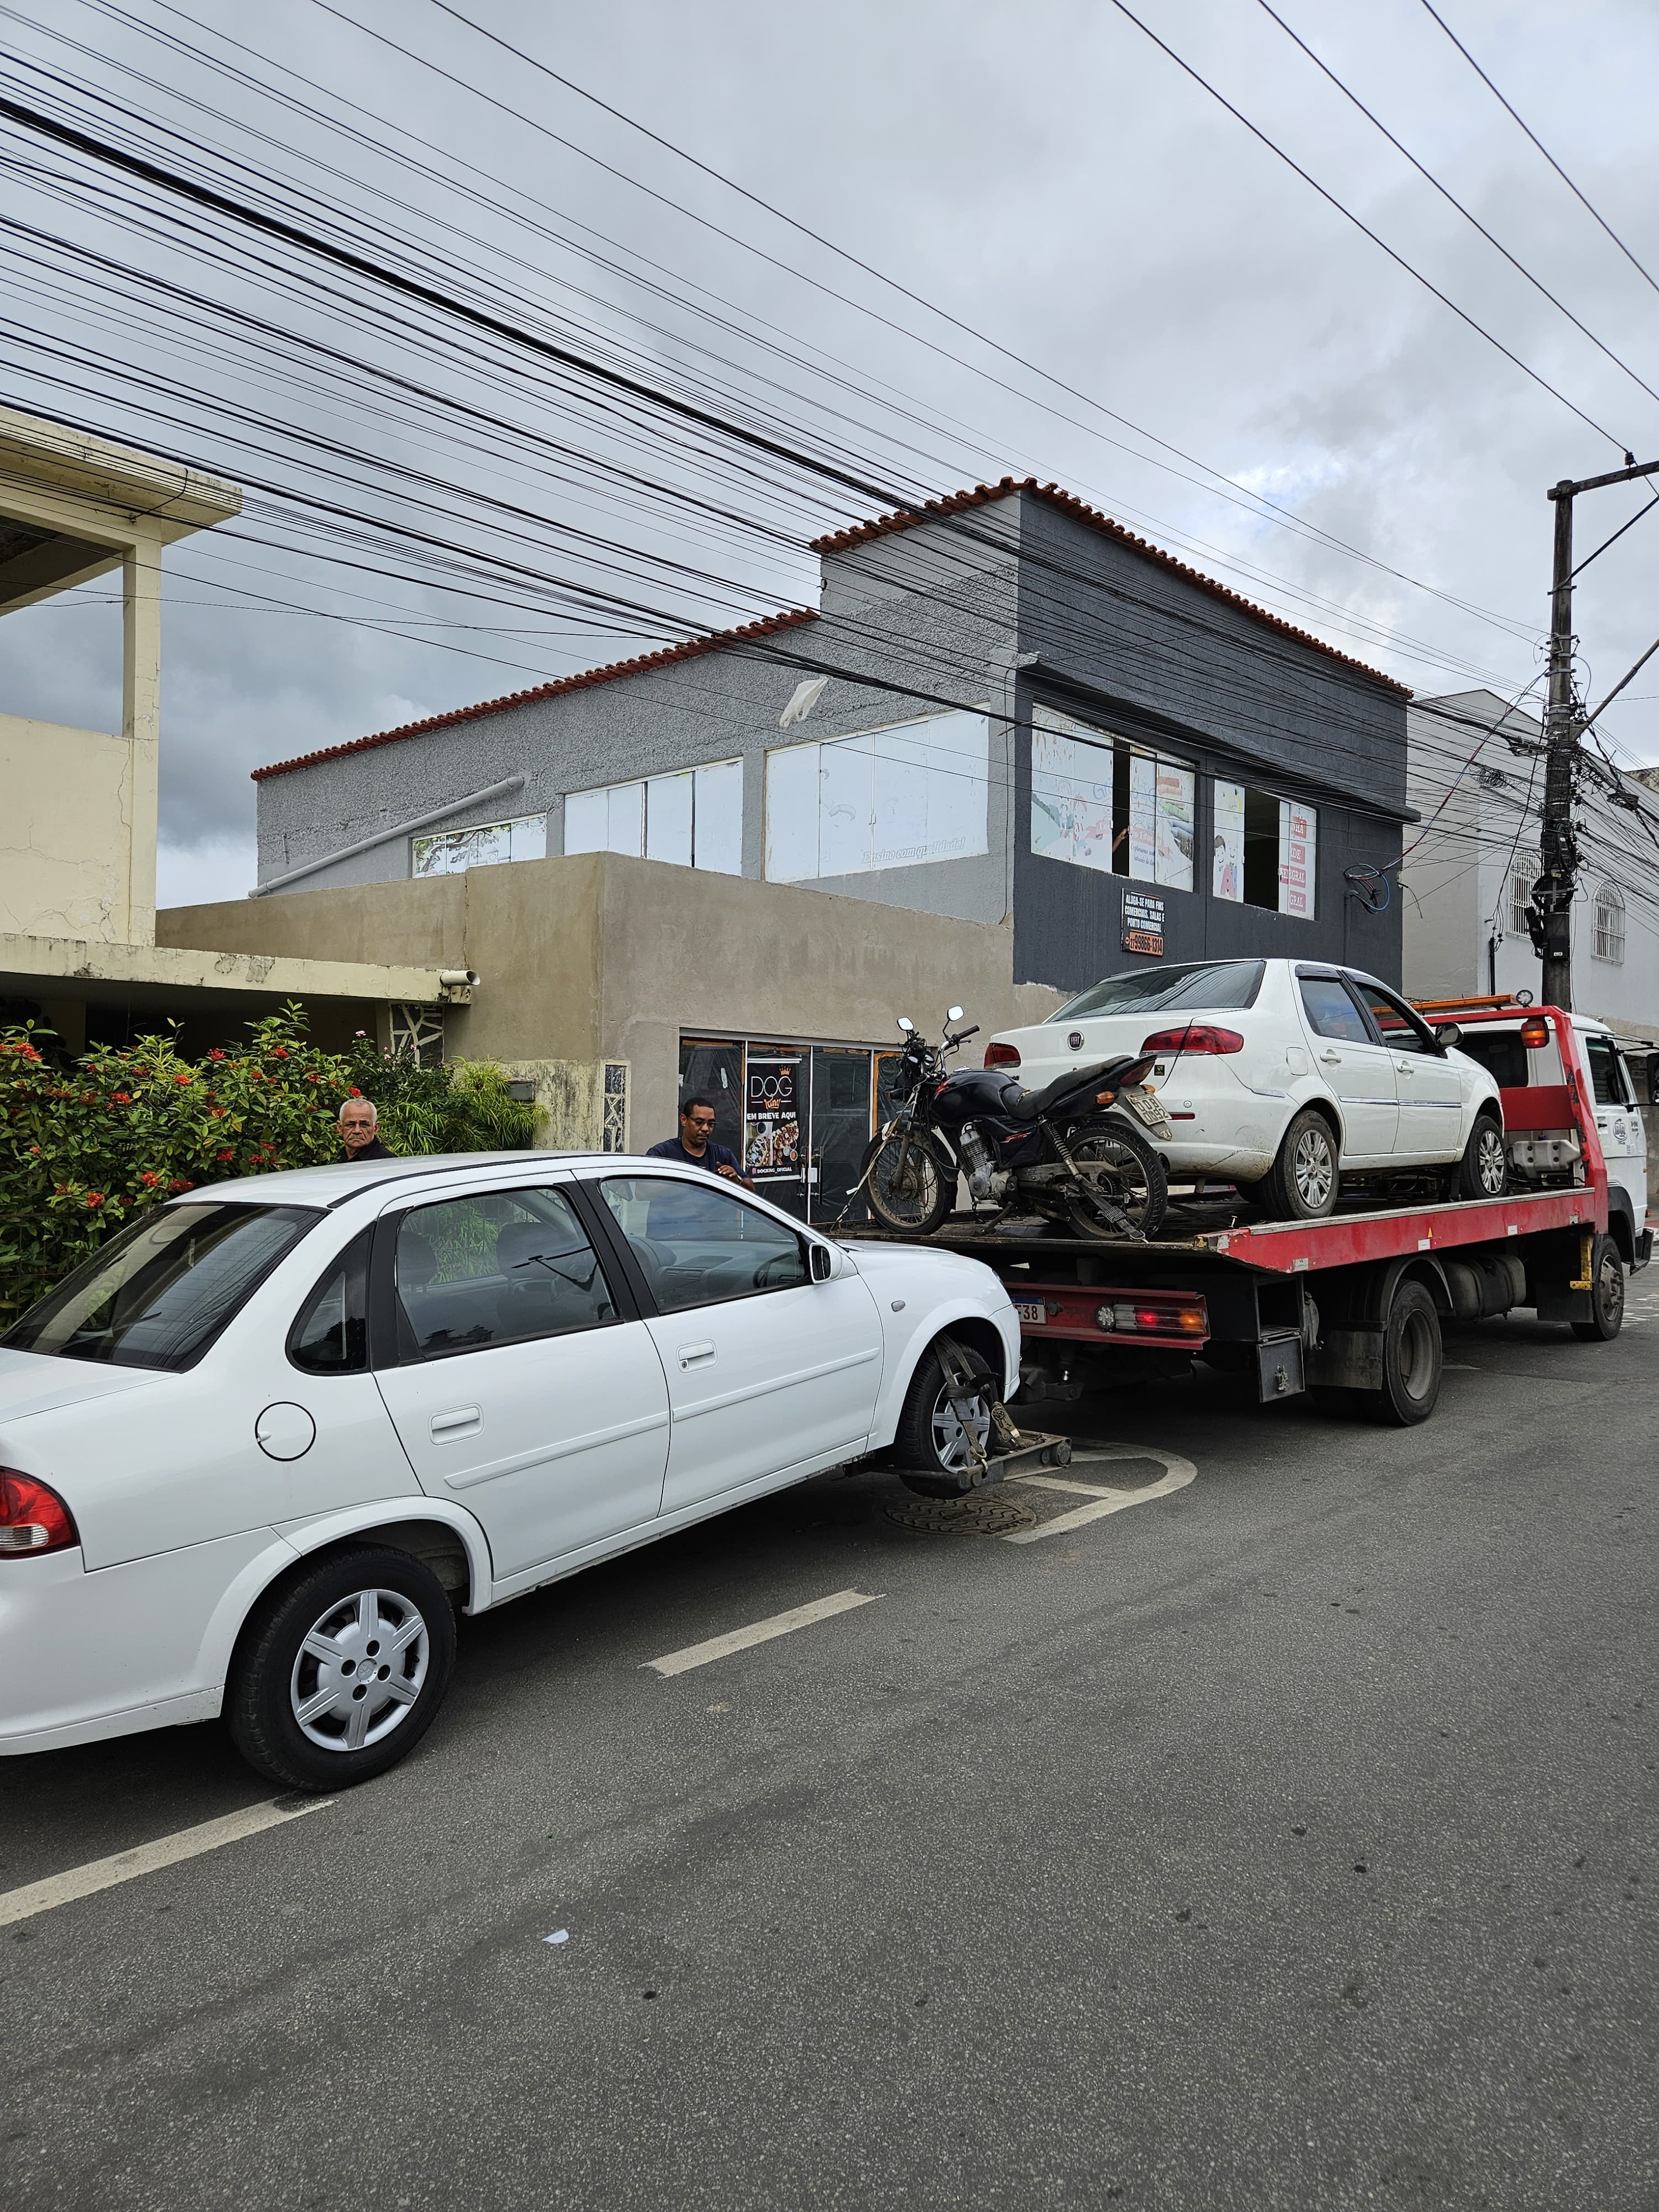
(1522, 1052)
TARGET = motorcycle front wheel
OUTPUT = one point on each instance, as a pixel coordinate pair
(1118, 1162)
(910, 1185)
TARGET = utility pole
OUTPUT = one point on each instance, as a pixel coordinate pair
(1550, 916)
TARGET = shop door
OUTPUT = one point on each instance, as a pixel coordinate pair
(776, 1082)
(841, 1132)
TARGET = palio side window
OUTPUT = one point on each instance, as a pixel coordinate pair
(158, 1294)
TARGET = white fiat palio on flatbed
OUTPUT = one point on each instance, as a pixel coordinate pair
(256, 1450)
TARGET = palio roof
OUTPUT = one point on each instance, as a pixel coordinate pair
(840, 541)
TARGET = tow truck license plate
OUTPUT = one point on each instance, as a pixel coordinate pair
(1030, 1309)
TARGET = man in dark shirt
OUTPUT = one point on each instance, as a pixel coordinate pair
(359, 1119)
(694, 1146)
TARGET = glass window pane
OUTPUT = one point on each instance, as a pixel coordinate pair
(846, 802)
(1604, 1076)
(717, 818)
(491, 845)
(529, 838)
(1143, 817)
(1227, 865)
(1261, 850)
(696, 1246)
(792, 814)
(1177, 834)
(901, 787)
(625, 820)
(587, 821)
(496, 1268)
(1400, 1031)
(668, 818)
(1331, 1011)
(331, 1336)
(1072, 805)
(158, 1294)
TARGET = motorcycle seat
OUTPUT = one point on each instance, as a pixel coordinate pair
(1031, 1105)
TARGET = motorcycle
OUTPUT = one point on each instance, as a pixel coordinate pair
(1069, 1152)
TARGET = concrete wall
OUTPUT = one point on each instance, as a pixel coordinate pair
(66, 832)
(601, 959)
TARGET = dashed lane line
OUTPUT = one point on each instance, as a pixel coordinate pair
(760, 1631)
(150, 1858)
(1178, 1472)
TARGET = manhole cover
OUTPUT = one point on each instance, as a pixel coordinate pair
(977, 1515)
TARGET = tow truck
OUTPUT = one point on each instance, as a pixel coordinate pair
(1351, 1309)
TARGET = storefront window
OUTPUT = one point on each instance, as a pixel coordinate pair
(1099, 802)
(1265, 850)
(799, 1116)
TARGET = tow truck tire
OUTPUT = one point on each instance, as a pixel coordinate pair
(1606, 1295)
(1411, 1359)
(928, 1443)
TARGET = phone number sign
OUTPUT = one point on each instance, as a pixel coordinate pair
(1143, 924)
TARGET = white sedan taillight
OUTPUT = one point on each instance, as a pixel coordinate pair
(33, 1519)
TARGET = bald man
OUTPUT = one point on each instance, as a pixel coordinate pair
(359, 1119)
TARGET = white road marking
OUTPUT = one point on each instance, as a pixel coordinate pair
(148, 1858)
(761, 1632)
(1178, 1472)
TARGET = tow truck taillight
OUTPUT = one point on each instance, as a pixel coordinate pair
(33, 1519)
(1001, 1055)
(1197, 1036)
(1534, 1033)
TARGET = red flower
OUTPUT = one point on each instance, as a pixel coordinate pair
(353, 1092)
(150, 1178)
(179, 1183)
(279, 1052)
(215, 1053)
(182, 1078)
(215, 1114)
(227, 1154)
(122, 1098)
(94, 1198)
(35, 1149)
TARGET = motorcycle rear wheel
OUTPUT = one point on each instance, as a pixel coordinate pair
(911, 1186)
(1128, 1172)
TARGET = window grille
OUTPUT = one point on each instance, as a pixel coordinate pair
(614, 1137)
(1520, 898)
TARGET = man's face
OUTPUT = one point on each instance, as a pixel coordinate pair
(357, 1124)
(696, 1127)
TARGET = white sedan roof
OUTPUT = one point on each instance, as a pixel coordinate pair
(344, 1179)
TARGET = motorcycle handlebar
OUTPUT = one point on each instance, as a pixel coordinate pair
(961, 1036)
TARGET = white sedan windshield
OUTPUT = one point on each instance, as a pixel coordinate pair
(157, 1295)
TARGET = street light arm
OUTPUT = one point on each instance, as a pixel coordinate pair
(1621, 684)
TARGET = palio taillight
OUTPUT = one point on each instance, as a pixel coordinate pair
(33, 1519)
(1197, 1036)
(1001, 1055)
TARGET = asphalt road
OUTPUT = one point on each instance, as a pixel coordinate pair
(1287, 1840)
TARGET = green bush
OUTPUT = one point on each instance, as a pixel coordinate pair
(85, 1144)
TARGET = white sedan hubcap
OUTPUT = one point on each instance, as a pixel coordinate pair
(359, 1670)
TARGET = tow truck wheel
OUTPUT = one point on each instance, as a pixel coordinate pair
(1411, 1360)
(1606, 1295)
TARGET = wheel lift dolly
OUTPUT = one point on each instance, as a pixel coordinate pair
(1017, 1450)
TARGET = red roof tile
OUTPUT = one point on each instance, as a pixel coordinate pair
(768, 627)
(886, 525)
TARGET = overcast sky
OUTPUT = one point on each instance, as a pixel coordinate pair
(1045, 175)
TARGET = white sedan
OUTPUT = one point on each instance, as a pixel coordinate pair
(1282, 1077)
(255, 1450)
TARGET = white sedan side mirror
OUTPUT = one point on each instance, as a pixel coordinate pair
(821, 1261)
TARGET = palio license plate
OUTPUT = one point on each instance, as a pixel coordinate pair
(1030, 1309)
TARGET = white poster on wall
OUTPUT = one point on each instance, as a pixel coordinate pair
(1227, 865)
(1071, 797)
(1297, 847)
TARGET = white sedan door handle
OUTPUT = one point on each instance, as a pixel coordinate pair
(459, 1423)
(1404, 1066)
(1332, 1059)
(695, 1355)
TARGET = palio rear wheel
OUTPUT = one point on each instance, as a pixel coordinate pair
(909, 1187)
(340, 1672)
(1303, 1183)
(1484, 1170)
(1606, 1295)
(932, 1447)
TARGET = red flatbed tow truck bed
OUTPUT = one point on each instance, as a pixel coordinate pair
(1350, 1307)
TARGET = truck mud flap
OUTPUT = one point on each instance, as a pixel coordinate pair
(1348, 1359)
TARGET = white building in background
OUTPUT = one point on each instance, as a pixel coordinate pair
(1473, 858)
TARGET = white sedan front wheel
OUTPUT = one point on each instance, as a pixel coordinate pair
(340, 1672)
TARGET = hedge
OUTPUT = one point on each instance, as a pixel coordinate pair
(86, 1143)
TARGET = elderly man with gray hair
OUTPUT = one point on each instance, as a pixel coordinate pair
(359, 1119)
